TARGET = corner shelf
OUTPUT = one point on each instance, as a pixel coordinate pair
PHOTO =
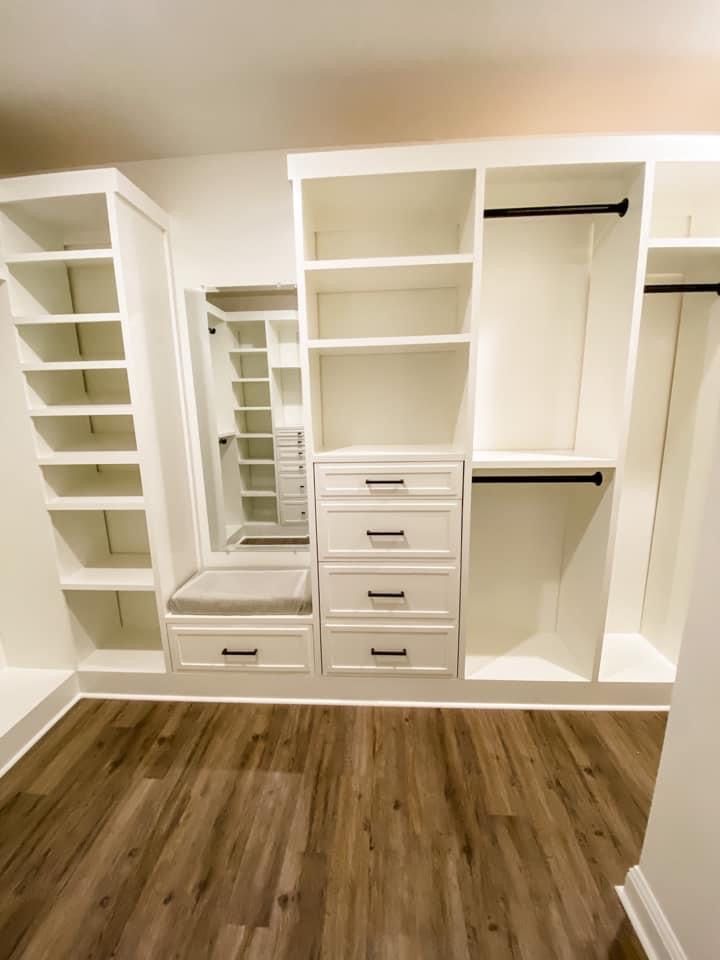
(632, 658)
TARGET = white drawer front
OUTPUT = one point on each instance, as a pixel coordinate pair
(287, 469)
(389, 591)
(382, 480)
(292, 485)
(290, 439)
(291, 453)
(250, 649)
(293, 512)
(414, 531)
(370, 649)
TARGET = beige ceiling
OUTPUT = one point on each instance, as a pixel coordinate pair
(96, 81)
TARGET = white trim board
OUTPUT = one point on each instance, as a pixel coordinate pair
(31, 728)
(647, 918)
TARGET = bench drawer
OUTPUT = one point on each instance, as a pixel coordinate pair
(249, 649)
(390, 650)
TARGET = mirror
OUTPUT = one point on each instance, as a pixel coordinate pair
(245, 356)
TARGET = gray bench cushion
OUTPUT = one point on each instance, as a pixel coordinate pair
(244, 593)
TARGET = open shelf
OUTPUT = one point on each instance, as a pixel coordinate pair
(258, 493)
(60, 319)
(54, 225)
(116, 630)
(400, 214)
(390, 452)
(685, 200)
(539, 459)
(632, 658)
(71, 345)
(112, 577)
(81, 365)
(388, 273)
(89, 439)
(63, 286)
(252, 409)
(97, 408)
(537, 566)
(102, 550)
(75, 257)
(75, 388)
(93, 487)
(390, 344)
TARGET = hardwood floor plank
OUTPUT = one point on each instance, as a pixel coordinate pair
(214, 831)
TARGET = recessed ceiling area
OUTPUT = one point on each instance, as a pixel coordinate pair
(87, 82)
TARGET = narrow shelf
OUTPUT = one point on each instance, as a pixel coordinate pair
(258, 493)
(244, 409)
(119, 660)
(540, 658)
(111, 577)
(631, 658)
(95, 502)
(684, 243)
(253, 436)
(285, 366)
(61, 256)
(82, 410)
(388, 273)
(251, 379)
(73, 365)
(542, 459)
(391, 452)
(390, 344)
(52, 318)
(248, 350)
(97, 456)
(256, 461)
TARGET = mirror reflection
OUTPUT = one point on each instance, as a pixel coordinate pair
(246, 378)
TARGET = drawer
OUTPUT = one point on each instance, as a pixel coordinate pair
(291, 485)
(389, 591)
(389, 480)
(290, 439)
(249, 649)
(292, 453)
(418, 530)
(293, 512)
(394, 650)
(286, 468)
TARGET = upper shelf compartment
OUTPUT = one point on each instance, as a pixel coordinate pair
(54, 225)
(389, 215)
(686, 202)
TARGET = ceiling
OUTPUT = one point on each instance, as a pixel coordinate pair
(87, 82)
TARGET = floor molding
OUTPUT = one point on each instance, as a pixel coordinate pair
(34, 725)
(648, 920)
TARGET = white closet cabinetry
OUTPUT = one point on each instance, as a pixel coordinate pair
(86, 262)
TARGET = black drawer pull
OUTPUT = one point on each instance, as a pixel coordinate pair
(391, 482)
(239, 653)
(397, 595)
(388, 653)
(385, 533)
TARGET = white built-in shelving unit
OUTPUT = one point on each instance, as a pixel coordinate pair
(86, 264)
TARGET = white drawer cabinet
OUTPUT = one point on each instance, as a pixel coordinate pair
(390, 649)
(416, 530)
(252, 649)
(389, 591)
(292, 485)
(384, 480)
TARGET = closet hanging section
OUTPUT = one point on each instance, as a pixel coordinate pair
(562, 210)
(683, 288)
(594, 478)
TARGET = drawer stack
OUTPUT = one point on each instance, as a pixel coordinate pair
(389, 566)
(291, 476)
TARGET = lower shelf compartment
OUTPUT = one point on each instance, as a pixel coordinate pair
(119, 660)
(632, 658)
(542, 657)
(116, 631)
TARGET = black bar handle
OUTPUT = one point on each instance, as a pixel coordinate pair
(396, 595)
(239, 653)
(683, 288)
(385, 533)
(393, 482)
(570, 209)
(594, 478)
(388, 653)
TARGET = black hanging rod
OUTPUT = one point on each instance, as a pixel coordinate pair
(567, 210)
(594, 478)
(683, 288)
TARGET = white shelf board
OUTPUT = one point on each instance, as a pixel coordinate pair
(97, 502)
(253, 436)
(255, 461)
(391, 452)
(82, 410)
(285, 366)
(684, 243)
(94, 456)
(53, 318)
(258, 493)
(74, 365)
(242, 350)
(541, 459)
(260, 316)
(23, 689)
(123, 660)
(251, 379)
(388, 273)
(360, 345)
(61, 256)
(113, 576)
(251, 409)
(631, 658)
(538, 659)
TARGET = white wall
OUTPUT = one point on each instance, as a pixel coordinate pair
(680, 859)
(231, 216)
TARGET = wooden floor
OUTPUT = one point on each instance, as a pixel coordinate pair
(225, 831)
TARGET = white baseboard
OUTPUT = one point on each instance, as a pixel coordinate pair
(16, 742)
(648, 920)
